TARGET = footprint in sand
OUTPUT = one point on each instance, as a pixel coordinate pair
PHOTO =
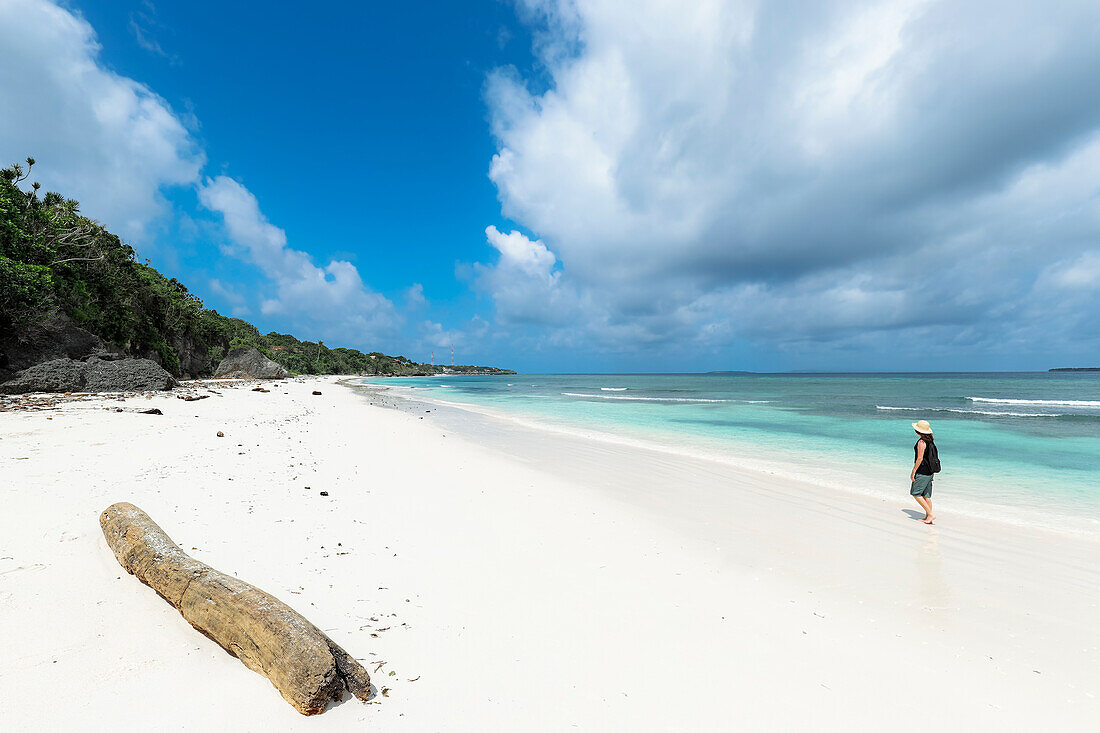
(24, 568)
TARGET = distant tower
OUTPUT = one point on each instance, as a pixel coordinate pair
(452, 354)
(433, 358)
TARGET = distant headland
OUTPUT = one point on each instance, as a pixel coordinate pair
(1075, 369)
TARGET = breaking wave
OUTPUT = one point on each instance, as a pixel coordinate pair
(998, 413)
(1053, 403)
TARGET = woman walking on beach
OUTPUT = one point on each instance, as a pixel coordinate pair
(925, 464)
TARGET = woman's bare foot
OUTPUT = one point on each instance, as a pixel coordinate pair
(929, 518)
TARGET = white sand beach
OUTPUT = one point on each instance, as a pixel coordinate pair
(495, 577)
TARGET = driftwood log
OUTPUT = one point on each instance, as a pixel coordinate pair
(271, 638)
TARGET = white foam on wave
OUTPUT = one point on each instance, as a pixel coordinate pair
(1056, 403)
(972, 412)
(612, 389)
(638, 399)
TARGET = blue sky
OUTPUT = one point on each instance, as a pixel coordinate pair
(582, 185)
(364, 136)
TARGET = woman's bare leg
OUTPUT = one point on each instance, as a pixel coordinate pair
(925, 504)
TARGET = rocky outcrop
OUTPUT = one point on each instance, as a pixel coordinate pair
(54, 337)
(58, 337)
(194, 356)
(103, 372)
(248, 363)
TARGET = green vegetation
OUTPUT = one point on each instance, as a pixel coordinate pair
(308, 357)
(55, 261)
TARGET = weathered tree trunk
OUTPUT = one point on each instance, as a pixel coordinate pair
(306, 666)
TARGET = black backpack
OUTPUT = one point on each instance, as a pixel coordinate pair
(932, 456)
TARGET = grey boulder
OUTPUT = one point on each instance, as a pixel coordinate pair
(248, 363)
(96, 374)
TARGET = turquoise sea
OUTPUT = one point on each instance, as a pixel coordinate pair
(1020, 447)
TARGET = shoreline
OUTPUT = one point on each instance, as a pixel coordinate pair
(600, 454)
(1011, 517)
(520, 580)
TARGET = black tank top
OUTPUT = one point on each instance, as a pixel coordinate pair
(923, 469)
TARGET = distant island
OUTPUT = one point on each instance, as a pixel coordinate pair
(1075, 369)
(70, 289)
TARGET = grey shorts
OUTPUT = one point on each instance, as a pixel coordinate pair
(922, 486)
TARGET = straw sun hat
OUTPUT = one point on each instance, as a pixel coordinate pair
(923, 426)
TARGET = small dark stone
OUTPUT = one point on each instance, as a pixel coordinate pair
(221, 434)
(316, 392)
(324, 493)
(153, 411)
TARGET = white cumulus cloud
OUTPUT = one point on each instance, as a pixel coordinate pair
(331, 301)
(523, 281)
(104, 139)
